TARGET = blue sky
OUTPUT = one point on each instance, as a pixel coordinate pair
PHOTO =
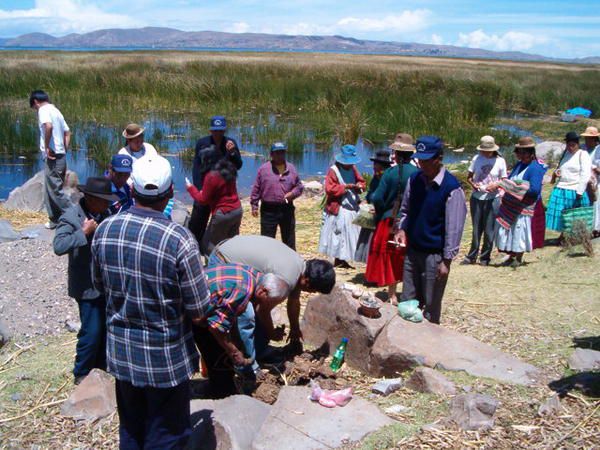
(551, 28)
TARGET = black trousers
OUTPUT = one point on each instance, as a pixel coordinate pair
(282, 215)
(153, 418)
(483, 218)
(199, 221)
(218, 364)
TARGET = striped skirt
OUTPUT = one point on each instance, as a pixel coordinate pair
(562, 199)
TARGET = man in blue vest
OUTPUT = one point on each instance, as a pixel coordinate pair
(432, 218)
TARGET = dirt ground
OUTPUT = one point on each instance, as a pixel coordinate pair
(539, 312)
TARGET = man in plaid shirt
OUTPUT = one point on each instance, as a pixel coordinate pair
(149, 269)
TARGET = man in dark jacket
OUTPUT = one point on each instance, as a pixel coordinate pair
(74, 234)
(226, 148)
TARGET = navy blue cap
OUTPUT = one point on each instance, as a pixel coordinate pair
(218, 123)
(428, 147)
(278, 146)
(121, 163)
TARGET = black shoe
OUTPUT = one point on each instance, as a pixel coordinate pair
(466, 262)
(485, 262)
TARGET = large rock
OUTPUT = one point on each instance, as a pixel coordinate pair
(549, 150)
(39, 232)
(30, 196)
(585, 359)
(312, 188)
(329, 318)
(93, 398)
(296, 423)
(7, 233)
(402, 345)
(473, 411)
(228, 424)
(180, 213)
(428, 380)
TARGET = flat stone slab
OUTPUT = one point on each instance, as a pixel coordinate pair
(402, 345)
(329, 318)
(94, 398)
(228, 424)
(297, 423)
(39, 232)
(584, 359)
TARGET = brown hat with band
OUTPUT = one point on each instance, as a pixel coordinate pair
(525, 142)
(403, 142)
(132, 130)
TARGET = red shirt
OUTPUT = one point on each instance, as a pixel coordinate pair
(216, 193)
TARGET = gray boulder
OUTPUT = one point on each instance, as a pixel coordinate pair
(7, 233)
(297, 423)
(402, 345)
(39, 232)
(473, 411)
(180, 213)
(329, 318)
(585, 359)
(550, 151)
(228, 424)
(312, 188)
(428, 380)
(30, 196)
(94, 398)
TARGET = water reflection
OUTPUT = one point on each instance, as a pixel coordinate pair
(175, 135)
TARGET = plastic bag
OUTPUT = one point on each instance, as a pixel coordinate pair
(329, 399)
(409, 310)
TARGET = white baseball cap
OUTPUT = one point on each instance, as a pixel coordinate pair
(151, 176)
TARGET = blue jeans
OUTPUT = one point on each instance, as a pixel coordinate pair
(91, 339)
(153, 418)
(252, 335)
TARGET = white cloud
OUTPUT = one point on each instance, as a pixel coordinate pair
(509, 41)
(66, 16)
(239, 27)
(406, 22)
(436, 39)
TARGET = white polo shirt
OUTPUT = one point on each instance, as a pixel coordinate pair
(50, 114)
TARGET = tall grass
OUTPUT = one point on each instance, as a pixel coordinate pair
(335, 96)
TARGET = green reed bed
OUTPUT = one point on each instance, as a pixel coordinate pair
(337, 97)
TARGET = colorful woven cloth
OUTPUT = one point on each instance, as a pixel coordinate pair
(514, 202)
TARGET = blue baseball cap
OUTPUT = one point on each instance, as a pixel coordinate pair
(348, 155)
(121, 163)
(218, 123)
(278, 147)
(428, 147)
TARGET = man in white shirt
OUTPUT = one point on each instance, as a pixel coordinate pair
(135, 145)
(54, 141)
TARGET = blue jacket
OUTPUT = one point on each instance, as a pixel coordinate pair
(535, 176)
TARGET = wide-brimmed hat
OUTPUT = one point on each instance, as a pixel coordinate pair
(488, 144)
(382, 157)
(98, 187)
(218, 123)
(525, 142)
(132, 130)
(591, 132)
(347, 155)
(428, 147)
(152, 176)
(572, 136)
(403, 142)
(279, 147)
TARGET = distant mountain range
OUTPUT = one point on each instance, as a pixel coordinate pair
(168, 38)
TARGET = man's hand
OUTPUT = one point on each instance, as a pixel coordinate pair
(50, 154)
(255, 213)
(89, 226)
(229, 146)
(188, 183)
(278, 333)
(443, 269)
(238, 359)
(288, 196)
(400, 238)
(295, 335)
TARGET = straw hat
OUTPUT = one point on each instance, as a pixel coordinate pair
(488, 144)
(132, 130)
(591, 132)
(525, 142)
(403, 142)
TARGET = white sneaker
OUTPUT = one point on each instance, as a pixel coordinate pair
(50, 225)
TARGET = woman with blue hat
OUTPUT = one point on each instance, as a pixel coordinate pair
(343, 184)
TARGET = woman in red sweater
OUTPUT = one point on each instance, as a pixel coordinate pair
(219, 192)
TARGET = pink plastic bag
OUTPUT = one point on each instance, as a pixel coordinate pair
(329, 399)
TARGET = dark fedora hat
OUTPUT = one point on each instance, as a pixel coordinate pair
(571, 136)
(382, 157)
(98, 187)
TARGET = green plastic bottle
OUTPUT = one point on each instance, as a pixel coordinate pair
(338, 356)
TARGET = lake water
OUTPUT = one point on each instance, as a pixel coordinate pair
(171, 137)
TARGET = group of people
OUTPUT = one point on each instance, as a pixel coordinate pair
(153, 295)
